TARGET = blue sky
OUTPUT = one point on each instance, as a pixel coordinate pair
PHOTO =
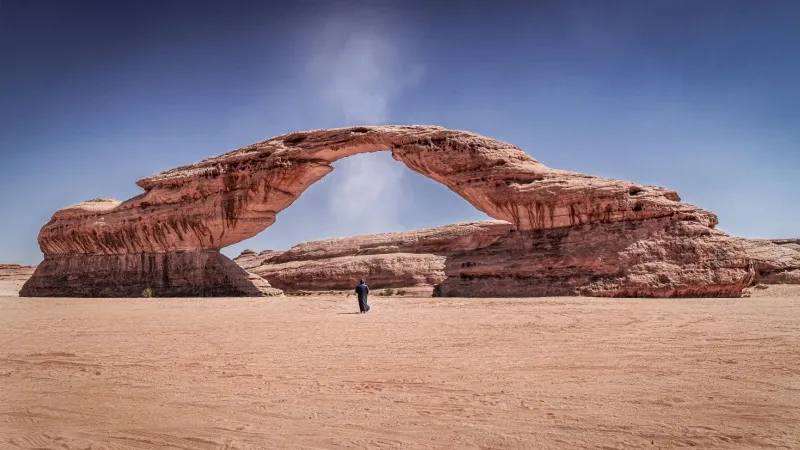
(701, 97)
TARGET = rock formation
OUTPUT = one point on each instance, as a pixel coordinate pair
(205, 273)
(613, 260)
(388, 260)
(169, 237)
(776, 261)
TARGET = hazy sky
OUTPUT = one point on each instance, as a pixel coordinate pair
(699, 96)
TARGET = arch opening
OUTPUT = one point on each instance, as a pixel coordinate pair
(364, 194)
(358, 222)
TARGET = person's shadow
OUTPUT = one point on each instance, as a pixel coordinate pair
(349, 313)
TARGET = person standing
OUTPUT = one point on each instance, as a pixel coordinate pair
(362, 290)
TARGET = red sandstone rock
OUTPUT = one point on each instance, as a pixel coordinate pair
(651, 258)
(106, 247)
(775, 260)
(204, 273)
(395, 270)
(226, 199)
(439, 240)
(15, 271)
(638, 258)
(388, 260)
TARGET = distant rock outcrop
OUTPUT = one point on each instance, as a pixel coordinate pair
(619, 259)
(388, 260)
(12, 277)
(572, 233)
(777, 261)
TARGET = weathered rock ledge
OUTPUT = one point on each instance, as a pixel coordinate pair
(777, 261)
(622, 259)
(203, 273)
(388, 260)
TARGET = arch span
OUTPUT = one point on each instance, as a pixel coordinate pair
(170, 235)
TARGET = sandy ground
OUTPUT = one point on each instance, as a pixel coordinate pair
(413, 373)
(10, 288)
(12, 277)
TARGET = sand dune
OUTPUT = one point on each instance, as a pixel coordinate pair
(414, 373)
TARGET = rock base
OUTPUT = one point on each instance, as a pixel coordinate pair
(205, 273)
(401, 260)
(652, 258)
(395, 270)
(666, 257)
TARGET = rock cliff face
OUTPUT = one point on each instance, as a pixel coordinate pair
(620, 259)
(204, 273)
(168, 234)
(653, 258)
(388, 260)
(226, 199)
(776, 261)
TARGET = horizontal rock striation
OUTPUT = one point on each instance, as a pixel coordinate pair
(185, 274)
(651, 258)
(439, 240)
(776, 261)
(396, 270)
(188, 213)
(388, 260)
(223, 200)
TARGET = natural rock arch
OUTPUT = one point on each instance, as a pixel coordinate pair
(170, 235)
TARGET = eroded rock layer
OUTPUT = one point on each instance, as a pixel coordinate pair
(223, 200)
(655, 258)
(205, 273)
(776, 260)
(388, 260)
(226, 199)
(396, 270)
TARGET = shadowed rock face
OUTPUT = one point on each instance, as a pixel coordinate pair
(205, 273)
(387, 260)
(226, 199)
(776, 261)
(646, 258)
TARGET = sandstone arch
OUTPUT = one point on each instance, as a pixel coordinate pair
(170, 235)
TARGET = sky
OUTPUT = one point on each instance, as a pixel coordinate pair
(700, 97)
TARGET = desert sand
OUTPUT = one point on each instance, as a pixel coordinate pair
(305, 372)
